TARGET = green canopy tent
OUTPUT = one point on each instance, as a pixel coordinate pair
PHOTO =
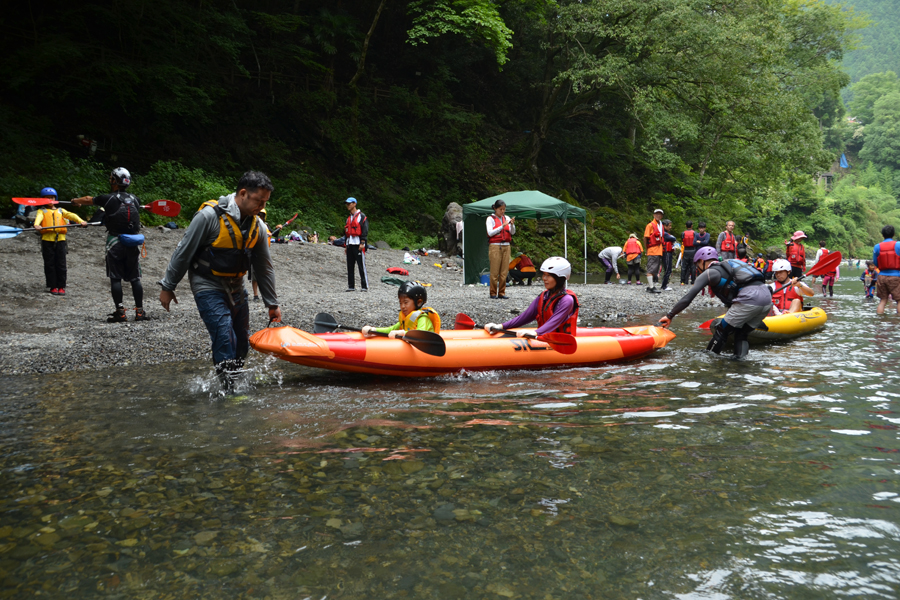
(522, 205)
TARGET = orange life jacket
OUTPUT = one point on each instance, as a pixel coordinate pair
(546, 306)
(729, 244)
(504, 236)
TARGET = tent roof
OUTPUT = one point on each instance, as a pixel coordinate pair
(529, 204)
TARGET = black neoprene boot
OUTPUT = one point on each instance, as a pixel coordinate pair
(741, 344)
(118, 316)
(720, 336)
(229, 372)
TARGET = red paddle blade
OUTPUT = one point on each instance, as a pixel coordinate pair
(706, 324)
(463, 321)
(33, 201)
(561, 342)
(826, 265)
(165, 208)
(291, 220)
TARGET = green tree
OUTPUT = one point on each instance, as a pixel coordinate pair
(882, 137)
(868, 90)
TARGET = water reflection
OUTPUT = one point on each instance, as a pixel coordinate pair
(683, 475)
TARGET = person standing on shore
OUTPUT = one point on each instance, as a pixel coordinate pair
(740, 287)
(609, 257)
(668, 248)
(633, 251)
(123, 242)
(53, 241)
(796, 254)
(701, 240)
(886, 258)
(500, 230)
(653, 240)
(727, 244)
(356, 233)
(224, 240)
(688, 247)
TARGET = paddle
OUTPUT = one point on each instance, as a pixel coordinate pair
(278, 228)
(831, 260)
(11, 232)
(561, 342)
(164, 208)
(423, 341)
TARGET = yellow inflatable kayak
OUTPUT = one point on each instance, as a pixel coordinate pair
(787, 326)
(472, 350)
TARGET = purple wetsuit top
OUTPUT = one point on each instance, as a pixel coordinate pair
(563, 309)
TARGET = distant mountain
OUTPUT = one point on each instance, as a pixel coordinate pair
(880, 42)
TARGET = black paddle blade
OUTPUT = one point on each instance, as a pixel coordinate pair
(324, 323)
(426, 341)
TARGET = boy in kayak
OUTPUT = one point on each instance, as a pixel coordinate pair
(740, 287)
(787, 293)
(555, 309)
(413, 313)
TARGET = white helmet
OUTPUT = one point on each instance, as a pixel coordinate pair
(781, 265)
(557, 265)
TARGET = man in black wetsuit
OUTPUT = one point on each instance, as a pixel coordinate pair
(123, 242)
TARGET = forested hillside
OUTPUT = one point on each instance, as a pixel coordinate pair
(879, 42)
(710, 111)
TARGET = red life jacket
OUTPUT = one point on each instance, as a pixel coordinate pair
(632, 246)
(525, 262)
(796, 254)
(729, 244)
(504, 236)
(687, 238)
(668, 246)
(782, 298)
(887, 256)
(822, 257)
(353, 228)
(655, 236)
(745, 260)
(546, 306)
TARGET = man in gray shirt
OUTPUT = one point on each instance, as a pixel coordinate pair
(226, 238)
(609, 256)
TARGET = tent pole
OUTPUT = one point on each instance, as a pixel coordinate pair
(565, 238)
(464, 250)
(585, 252)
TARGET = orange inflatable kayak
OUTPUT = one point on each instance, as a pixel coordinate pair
(467, 350)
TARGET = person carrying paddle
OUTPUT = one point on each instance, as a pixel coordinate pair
(828, 279)
(224, 240)
(414, 315)
(886, 257)
(555, 309)
(787, 292)
(796, 253)
(53, 241)
(740, 287)
(123, 242)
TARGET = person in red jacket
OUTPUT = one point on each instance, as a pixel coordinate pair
(727, 243)
(356, 232)
(500, 230)
(787, 293)
(796, 253)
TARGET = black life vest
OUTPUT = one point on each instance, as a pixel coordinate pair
(734, 276)
(125, 217)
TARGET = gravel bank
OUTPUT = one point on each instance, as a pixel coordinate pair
(41, 333)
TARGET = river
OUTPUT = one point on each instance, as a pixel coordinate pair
(683, 475)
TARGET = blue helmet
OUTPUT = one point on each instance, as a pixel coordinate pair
(48, 191)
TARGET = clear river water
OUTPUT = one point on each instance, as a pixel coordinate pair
(680, 476)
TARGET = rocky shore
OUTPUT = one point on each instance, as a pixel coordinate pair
(42, 333)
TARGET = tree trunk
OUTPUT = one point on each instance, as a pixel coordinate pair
(365, 47)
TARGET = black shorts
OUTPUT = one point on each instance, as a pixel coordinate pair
(123, 263)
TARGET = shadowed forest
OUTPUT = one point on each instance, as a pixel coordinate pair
(710, 110)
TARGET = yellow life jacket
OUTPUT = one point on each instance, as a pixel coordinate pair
(408, 323)
(229, 254)
(52, 217)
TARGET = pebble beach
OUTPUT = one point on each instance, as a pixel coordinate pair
(42, 333)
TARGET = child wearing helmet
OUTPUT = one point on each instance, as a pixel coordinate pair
(787, 292)
(413, 313)
(740, 287)
(53, 241)
(555, 309)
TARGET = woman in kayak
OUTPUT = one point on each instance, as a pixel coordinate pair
(555, 309)
(413, 313)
